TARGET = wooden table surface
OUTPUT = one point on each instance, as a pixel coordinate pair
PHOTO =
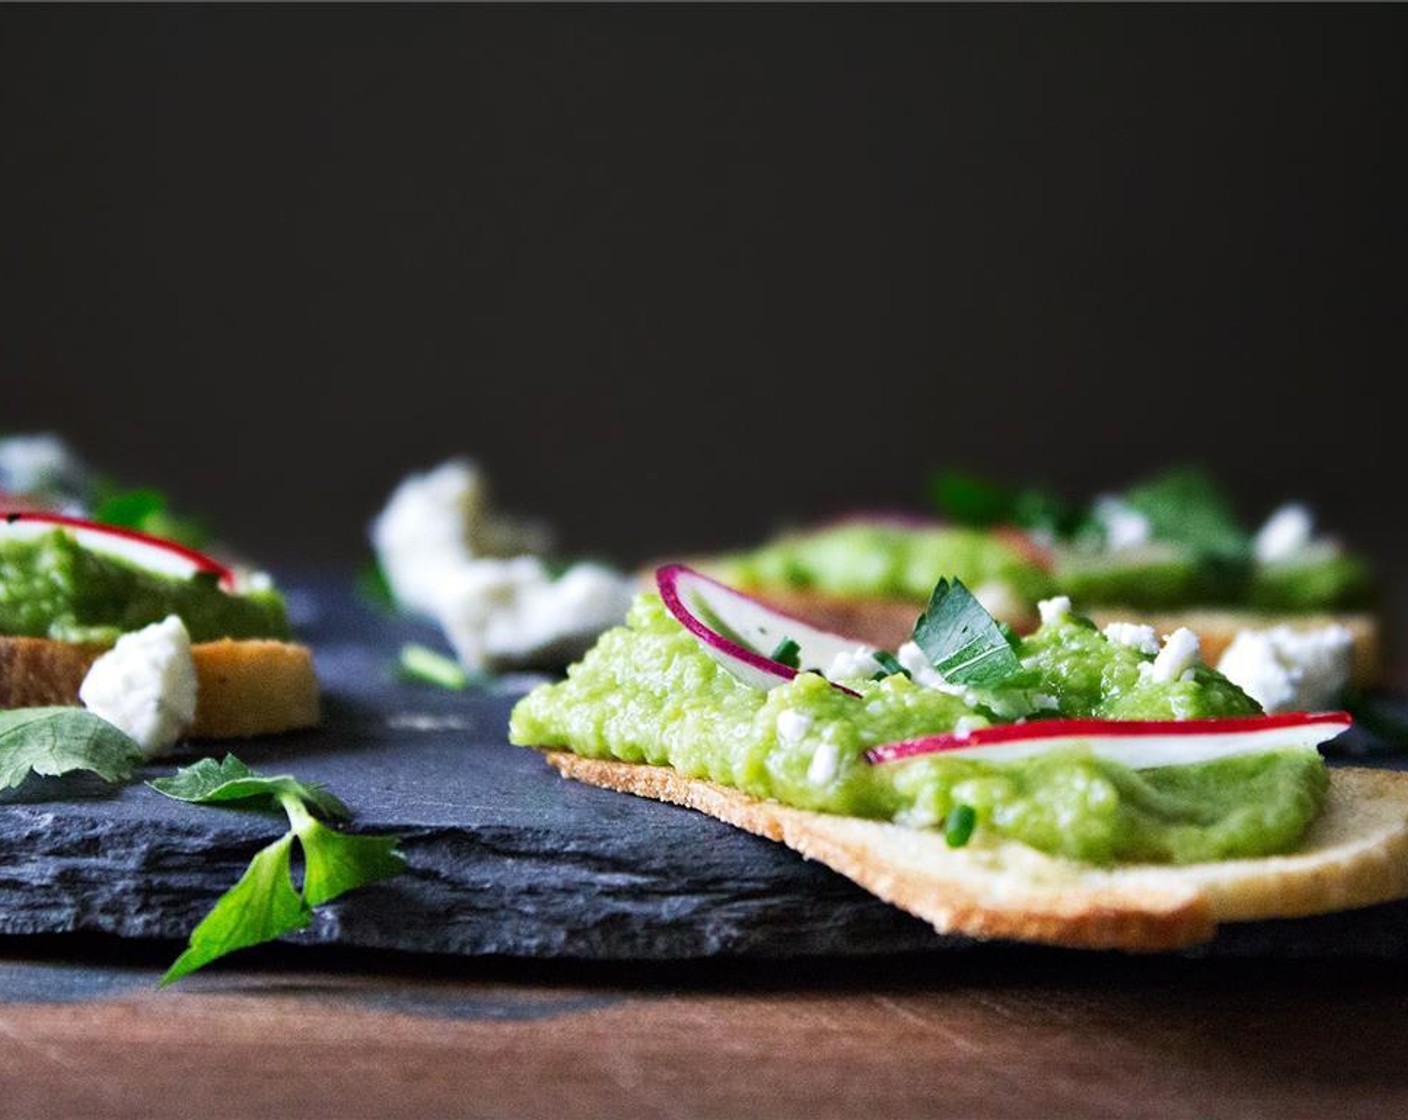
(1009, 1032)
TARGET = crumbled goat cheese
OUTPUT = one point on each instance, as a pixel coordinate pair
(447, 555)
(436, 522)
(792, 726)
(825, 764)
(1125, 527)
(916, 662)
(1134, 635)
(514, 612)
(1287, 532)
(1054, 610)
(1176, 660)
(43, 465)
(146, 685)
(853, 665)
(1286, 669)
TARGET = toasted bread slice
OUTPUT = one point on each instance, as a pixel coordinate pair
(246, 687)
(1355, 855)
(889, 622)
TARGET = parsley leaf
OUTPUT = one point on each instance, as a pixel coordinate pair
(962, 641)
(265, 903)
(147, 511)
(972, 500)
(208, 782)
(52, 741)
(1187, 507)
(335, 862)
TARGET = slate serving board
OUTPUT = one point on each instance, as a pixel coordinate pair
(505, 857)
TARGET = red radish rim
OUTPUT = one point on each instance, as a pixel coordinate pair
(666, 580)
(1104, 728)
(199, 560)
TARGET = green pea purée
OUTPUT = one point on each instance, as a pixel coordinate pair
(53, 587)
(648, 693)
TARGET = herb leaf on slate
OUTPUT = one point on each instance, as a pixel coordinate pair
(57, 740)
(265, 903)
(208, 782)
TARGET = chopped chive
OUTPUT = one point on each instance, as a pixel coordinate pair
(424, 664)
(959, 825)
(889, 663)
(788, 653)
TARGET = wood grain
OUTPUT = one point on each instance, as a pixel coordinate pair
(997, 1035)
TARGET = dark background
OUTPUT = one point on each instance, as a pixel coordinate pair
(677, 275)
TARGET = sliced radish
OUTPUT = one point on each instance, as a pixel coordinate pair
(733, 629)
(152, 554)
(1138, 744)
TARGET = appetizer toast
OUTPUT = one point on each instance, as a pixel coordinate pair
(1170, 551)
(253, 686)
(154, 636)
(1071, 787)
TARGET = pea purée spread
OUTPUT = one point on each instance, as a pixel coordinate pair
(648, 693)
(53, 587)
(896, 560)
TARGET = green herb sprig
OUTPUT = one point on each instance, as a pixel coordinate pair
(962, 641)
(265, 904)
(147, 511)
(54, 741)
(972, 500)
(1185, 505)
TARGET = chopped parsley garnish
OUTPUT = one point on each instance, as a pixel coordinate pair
(889, 665)
(265, 903)
(971, 500)
(962, 641)
(959, 825)
(54, 741)
(146, 511)
(787, 652)
(1187, 507)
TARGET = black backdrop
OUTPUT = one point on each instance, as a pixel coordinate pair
(679, 274)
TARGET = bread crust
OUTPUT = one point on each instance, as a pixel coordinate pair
(888, 622)
(244, 688)
(1355, 855)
